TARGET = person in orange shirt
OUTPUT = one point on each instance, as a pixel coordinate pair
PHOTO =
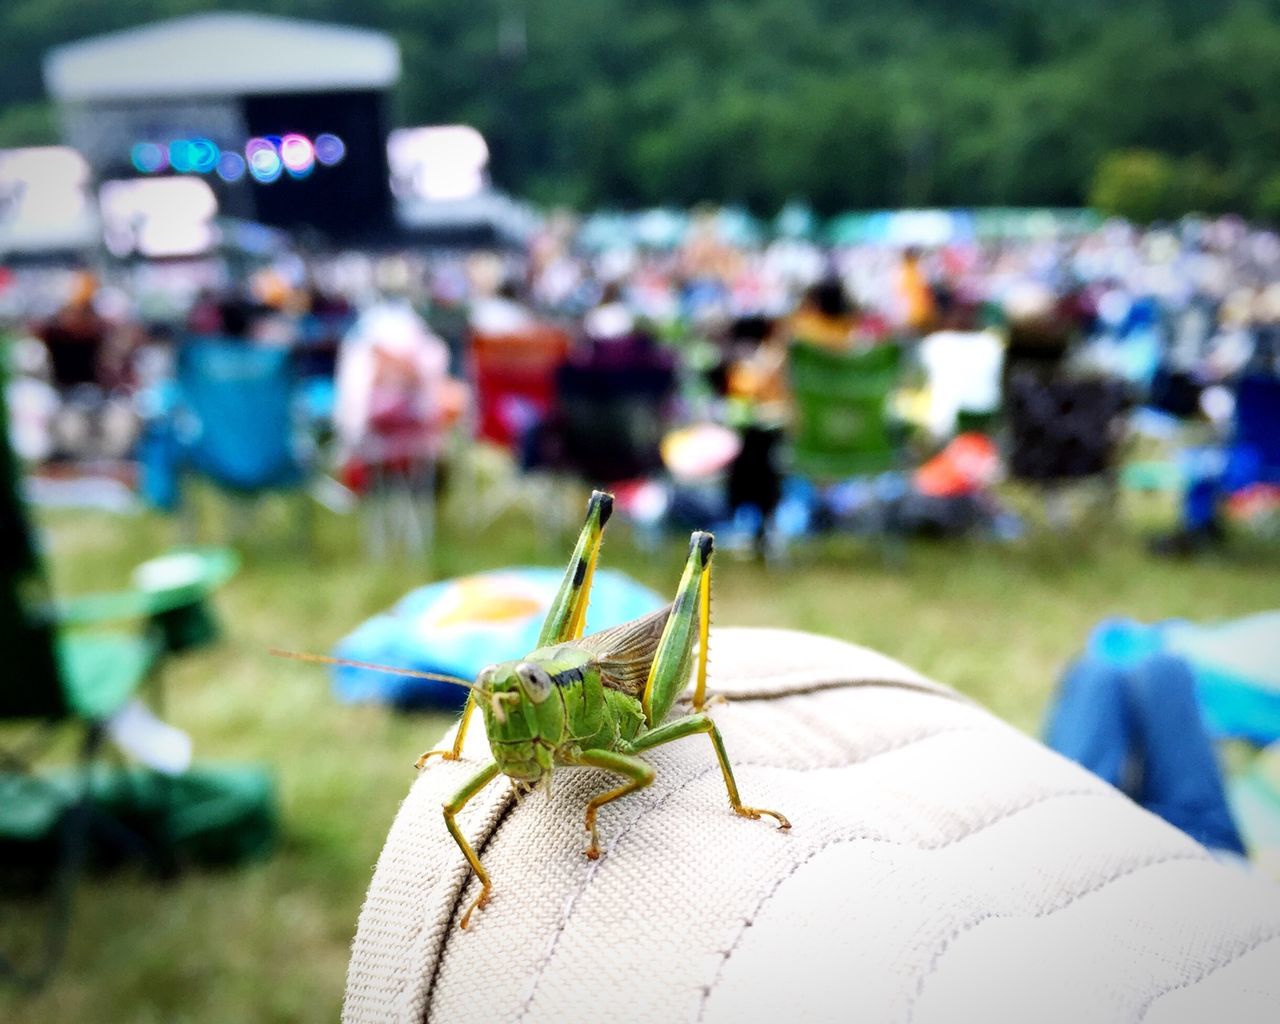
(919, 306)
(825, 316)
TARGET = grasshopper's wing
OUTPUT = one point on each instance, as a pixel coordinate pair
(624, 653)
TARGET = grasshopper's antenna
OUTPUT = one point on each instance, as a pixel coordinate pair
(323, 659)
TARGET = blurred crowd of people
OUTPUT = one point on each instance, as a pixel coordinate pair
(1175, 311)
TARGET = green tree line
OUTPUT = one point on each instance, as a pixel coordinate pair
(1149, 107)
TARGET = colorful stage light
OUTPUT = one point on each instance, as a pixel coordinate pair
(297, 154)
(231, 166)
(180, 156)
(203, 155)
(329, 149)
(149, 158)
(266, 158)
(264, 161)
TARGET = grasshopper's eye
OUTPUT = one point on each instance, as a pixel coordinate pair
(486, 676)
(534, 679)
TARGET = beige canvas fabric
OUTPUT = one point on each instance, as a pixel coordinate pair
(941, 867)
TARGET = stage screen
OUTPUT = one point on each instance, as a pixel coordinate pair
(44, 199)
(158, 217)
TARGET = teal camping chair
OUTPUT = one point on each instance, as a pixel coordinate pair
(236, 421)
(62, 669)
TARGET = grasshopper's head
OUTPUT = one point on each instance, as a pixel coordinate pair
(523, 717)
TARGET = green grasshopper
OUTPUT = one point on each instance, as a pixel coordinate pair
(593, 701)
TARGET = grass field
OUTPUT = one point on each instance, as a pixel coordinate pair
(269, 942)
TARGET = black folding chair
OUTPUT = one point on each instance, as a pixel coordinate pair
(611, 418)
(1065, 431)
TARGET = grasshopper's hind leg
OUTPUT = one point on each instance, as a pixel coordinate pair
(689, 725)
(690, 619)
(476, 783)
(669, 673)
(567, 617)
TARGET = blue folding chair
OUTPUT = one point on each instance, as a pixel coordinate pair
(237, 421)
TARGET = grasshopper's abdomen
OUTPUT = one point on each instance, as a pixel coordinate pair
(584, 710)
(596, 717)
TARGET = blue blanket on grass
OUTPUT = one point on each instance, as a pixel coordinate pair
(461, 625)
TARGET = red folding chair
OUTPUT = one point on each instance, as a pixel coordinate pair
(515, 380)
(514, 377)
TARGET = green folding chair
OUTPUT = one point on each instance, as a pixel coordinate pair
(62, 669)
(843, 425)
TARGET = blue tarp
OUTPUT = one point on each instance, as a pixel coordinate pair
(459, 626)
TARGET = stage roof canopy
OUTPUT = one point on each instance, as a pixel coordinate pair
(221, 55)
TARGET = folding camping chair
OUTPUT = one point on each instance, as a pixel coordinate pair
(515, 386)
(843, 426)
(79, 679)
(59, 675)
(1065, 431)
(611, 419)
(515, 378)
(319, 339)
(1241, 475)
(236, 421)
(398, 505)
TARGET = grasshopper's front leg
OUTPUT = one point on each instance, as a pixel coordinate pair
(456, 752)
(474, 785)
(638, 775)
